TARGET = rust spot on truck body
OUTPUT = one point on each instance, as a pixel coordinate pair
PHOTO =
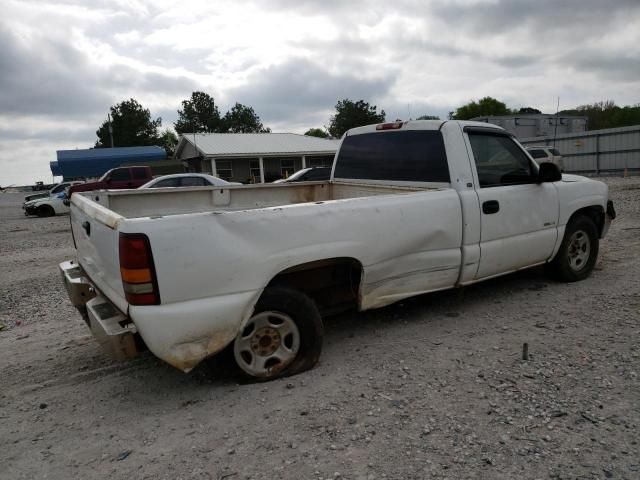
(186, 356)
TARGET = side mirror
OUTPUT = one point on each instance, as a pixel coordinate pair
(108, 180)
(549, 172)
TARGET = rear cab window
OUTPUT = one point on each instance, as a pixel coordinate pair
(403, 156)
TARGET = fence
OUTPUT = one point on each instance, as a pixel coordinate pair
(598, 152)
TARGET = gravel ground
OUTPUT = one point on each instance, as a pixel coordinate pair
(433, 387)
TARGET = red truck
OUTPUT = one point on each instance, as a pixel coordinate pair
(115, 179)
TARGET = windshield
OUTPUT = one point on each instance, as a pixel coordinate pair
(298, 174)
(58, 188)
(104, 177)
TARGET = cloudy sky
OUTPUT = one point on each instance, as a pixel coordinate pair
(63, 63)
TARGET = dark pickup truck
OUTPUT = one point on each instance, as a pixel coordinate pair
(115, 179)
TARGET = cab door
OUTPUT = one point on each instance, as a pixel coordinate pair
(519, 216)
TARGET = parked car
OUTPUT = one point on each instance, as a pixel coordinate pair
(187, 180)
(47, 207)
(60, 187)
(309, 174)
(409, 210)
(548, 154)
(116, 179)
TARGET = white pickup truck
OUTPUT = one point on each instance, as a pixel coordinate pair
(411, 207)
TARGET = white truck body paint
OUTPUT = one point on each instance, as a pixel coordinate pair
(215, 249)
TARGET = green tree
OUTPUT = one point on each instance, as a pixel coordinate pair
(427, 117)
(606, 114)
(528, 110)
(483, 107)
(317, 132)
(350, 114)
(168, 141)
(132, 126)
(199, 114)
(242, 119)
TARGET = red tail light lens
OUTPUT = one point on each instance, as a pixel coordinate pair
(137, 270)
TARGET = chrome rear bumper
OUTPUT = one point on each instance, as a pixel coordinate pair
(113, 330)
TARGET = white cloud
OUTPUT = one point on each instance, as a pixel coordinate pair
(65, 62)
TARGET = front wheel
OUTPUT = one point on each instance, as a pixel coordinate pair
(45, 211)
(283, 337)
(578, 252)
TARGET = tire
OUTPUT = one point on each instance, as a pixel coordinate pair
(283, 337)
(578, 252)
(45, 211)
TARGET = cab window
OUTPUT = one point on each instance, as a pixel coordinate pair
(168, 182)
(499, 160)
(139, 173)
(119, 175)
(193, 182)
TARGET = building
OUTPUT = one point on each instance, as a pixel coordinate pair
(94, 162)
(253, 157)
(537, 124)
(611, 151)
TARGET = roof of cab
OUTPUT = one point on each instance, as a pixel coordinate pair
(420, 125)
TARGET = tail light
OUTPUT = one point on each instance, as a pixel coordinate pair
(137, 270)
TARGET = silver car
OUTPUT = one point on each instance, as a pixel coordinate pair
(187, 180)
(545, 153)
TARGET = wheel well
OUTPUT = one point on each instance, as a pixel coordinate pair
(46, 208)
(333, 283)
(595, 213)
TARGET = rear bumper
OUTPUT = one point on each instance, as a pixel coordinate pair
(181, 333)
(113, 330)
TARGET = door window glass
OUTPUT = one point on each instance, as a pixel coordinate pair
(168, 182)
(139, 173)
(499, 160)
(194, 182)
(120, 175)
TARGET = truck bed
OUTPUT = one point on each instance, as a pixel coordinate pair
(175, 201)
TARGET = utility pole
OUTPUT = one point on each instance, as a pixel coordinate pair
(555, 130)
(110, 129)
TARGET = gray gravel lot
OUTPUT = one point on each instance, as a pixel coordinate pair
(433, 387)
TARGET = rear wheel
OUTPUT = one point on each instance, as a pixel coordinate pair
(45, 211)
(578, 252)
(283, 337)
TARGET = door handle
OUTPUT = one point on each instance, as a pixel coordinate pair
(490, 206)
(87, 228)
